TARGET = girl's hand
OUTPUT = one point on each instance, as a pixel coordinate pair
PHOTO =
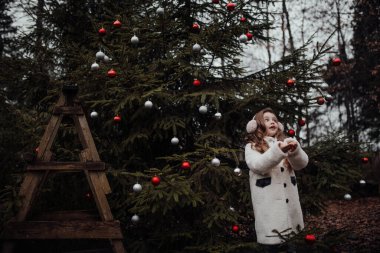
(293, 145)
(288, 146)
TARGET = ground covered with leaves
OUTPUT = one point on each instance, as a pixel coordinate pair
(359, 218)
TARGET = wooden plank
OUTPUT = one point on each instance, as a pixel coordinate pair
(68, 110)
(117, 246)
(85, 136)
(63, 230)
(69, 215)
(66, 166)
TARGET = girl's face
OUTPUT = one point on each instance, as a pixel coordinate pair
(271, 125)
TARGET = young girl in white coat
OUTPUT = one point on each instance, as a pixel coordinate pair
(272, 160)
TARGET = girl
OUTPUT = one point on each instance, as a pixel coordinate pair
(272, 160)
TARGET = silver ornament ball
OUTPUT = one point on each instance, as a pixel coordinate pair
(94, 115)
(218, 115)
(148, 104)
(134, 40)
(196, 48)
(135, 218)
(237, 171)
(106, 58)
(94, 66)
(160, 11)
(243, 38)
(174, 140)
(203, 109)
(347, 196)
(99, 55)
(362, 182)
(215, 162)
(137, 187)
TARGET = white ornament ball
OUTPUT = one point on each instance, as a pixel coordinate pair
(99, 55)
(94, 66)
(174, 140)
(135, 218)
(134, 40)
(218, 115)
(137, 187)
(362, 182)
(237, 171)
(347, 196)
(324, 86)
(243, 38)
(160, 11)
(215, 161)
(203, 51)
(196, 48)
(148, 104)
(203, 109)
(328, 97)
(106, 58)
(94, 115)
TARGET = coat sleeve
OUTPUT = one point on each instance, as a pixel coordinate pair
(298, 159)
(263, 163)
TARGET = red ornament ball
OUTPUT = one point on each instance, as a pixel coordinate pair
(310, 239)
(155, 180)
(111, 73)
(195, 27)
(336, 61)
(196, 82)
(235, 228)
(365, 160)
(301, 122)
(243, 19)
(117, 119)
(185, 165)
(320, 101)
(102, 31)
(117, 24)
(231, 6)
(291, 132)
(291, 82)
(249, 35)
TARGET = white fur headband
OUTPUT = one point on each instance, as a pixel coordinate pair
(252, 125)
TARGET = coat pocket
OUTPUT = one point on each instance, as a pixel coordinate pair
(263, 182)
(293, 179)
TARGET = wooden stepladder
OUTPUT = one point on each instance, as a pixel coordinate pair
(73, 224)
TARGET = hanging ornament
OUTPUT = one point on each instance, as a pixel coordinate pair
(117, 24)
(243, 38)
(300, 101)
(134, 40)
(215, 1)
(203, 51)
(237, 171)
(135, 218)
(235, 228)
(94, 115)
(243, 19)
(301, 122)
(203, 109)
(102, 31)
(195, 27)
(106, 59)
(174, 141)
(111, 73)
(155, 180)
(362, 182)
(148, 104)
(231, 6)
(324, 86)
(185, 165)
(310, 239)
(137, 187)
(320, 101)
(117, 119)
(160, 11)
(218, 115)
(94, 66)
(365, 160)
(196, 82)
(347, 196)
(291, 82)
(215, 162)
(99, 55)
(196, 48)
(336, 61)
(291, 132)
(249, 35)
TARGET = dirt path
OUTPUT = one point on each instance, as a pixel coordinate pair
(361, 217)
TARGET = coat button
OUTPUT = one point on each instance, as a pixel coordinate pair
(284, 184)
(287, 200)
(282, 169)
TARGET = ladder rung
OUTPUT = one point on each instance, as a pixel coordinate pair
(68, 110)
(66, 166)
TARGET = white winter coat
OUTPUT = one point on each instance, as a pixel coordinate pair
(274, 190)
